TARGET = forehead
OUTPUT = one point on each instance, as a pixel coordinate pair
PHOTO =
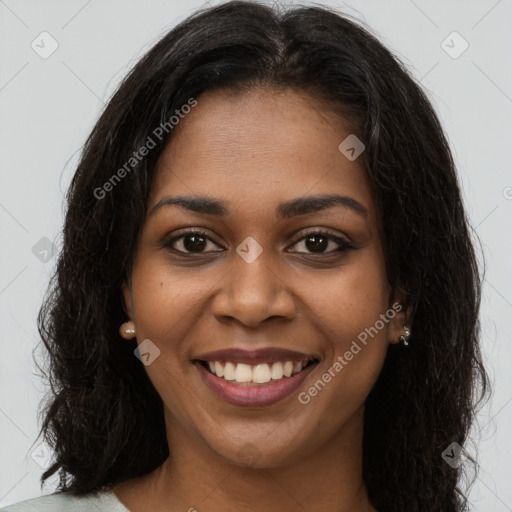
(257, 148)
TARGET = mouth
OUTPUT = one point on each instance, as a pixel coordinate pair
(254, 378)
(262, 374)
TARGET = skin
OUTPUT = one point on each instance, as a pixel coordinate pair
(254, 150)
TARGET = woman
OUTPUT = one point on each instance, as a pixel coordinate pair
(267, 297)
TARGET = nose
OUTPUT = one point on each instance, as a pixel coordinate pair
(252, 293)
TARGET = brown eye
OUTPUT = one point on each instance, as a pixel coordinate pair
(316, 243)
(320, 242)
(191, 242)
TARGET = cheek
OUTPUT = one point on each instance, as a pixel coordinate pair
(352, 299)
(165, 300)
(165, 309)
(350, 311)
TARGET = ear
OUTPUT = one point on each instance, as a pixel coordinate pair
(401, 314)
(127, 302)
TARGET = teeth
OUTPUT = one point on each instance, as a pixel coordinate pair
(259, 373)
(288, 369)
(218, 369)
(277, 371)
(243, 373)
(229, 371)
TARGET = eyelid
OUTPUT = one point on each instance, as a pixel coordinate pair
(343, 242)
(168, 242)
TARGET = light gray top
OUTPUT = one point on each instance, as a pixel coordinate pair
(105, 501)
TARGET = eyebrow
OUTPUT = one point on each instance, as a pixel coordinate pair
(286, 210)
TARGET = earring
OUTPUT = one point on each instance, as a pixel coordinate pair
(127, 330)
(404, 339)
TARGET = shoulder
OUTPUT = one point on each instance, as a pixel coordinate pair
(63, 502)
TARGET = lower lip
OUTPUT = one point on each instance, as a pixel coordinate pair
(254, 396)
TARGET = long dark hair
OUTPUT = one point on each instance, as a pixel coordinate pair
(103, 417)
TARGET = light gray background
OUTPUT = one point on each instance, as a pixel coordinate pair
(48, 106)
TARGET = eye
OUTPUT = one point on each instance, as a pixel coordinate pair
(191, 242)
(319, 241)
(316, 242)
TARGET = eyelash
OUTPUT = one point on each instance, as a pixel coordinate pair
(344, 244)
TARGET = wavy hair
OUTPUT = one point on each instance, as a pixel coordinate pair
(104, 419)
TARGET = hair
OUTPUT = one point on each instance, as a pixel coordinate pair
(104, 419)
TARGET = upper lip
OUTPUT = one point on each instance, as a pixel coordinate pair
(265, 355)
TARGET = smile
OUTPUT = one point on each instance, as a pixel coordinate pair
(254, 378)
(246, 374)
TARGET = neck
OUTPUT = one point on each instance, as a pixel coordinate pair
(194, 477)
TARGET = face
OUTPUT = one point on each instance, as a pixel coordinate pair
(261, 269)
